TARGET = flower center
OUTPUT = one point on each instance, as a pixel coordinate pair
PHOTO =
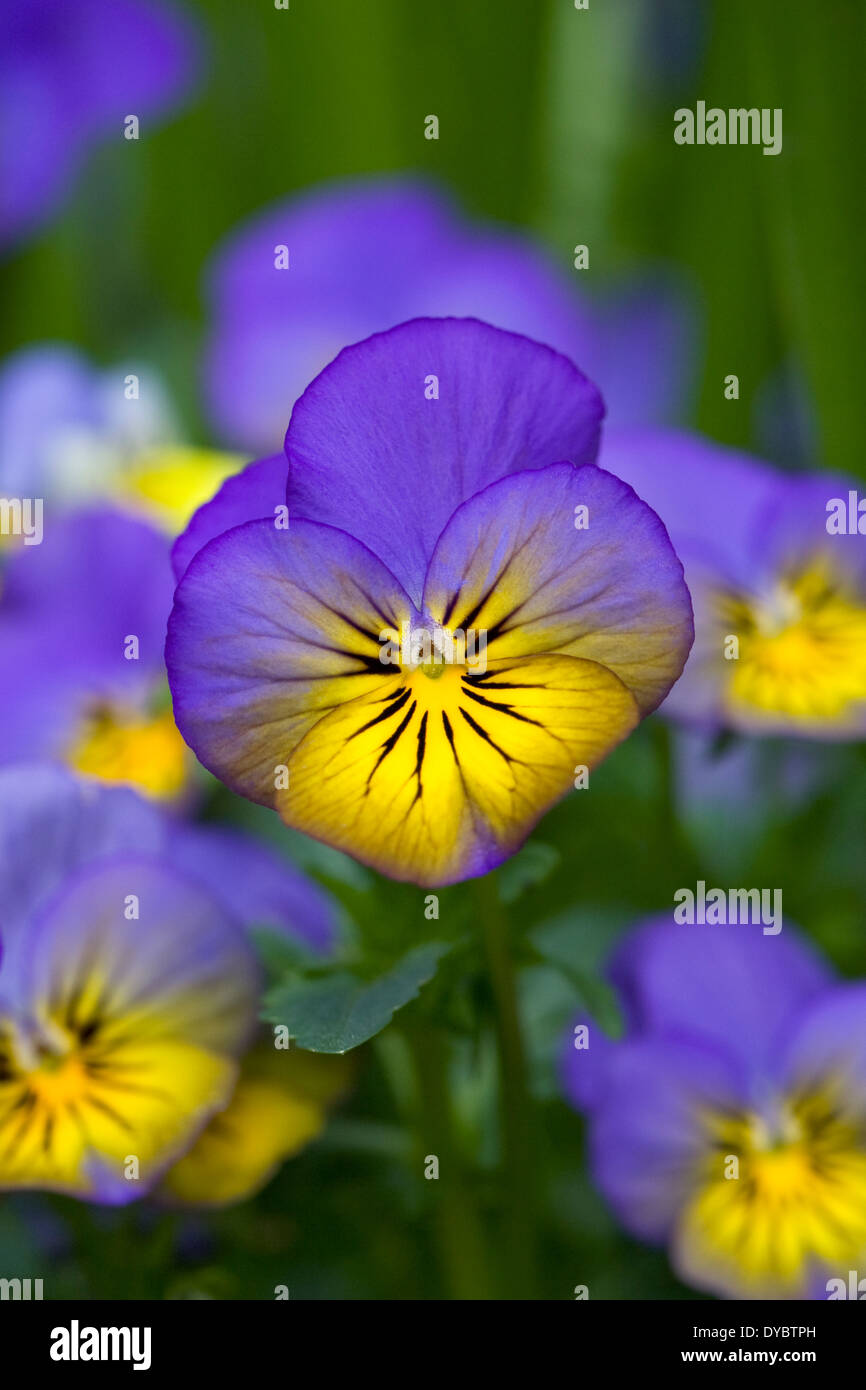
(59, 1081)
(776, 1195)
(48, 1060)
(145, 751)
(431, 670)
(802, 650)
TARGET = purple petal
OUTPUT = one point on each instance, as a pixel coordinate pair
(122, 56)
(369, 453)
(97, 577)
(730, 986)
(42, 697)
(827, 1046)
(70, 72)
(368, 254)
(394, 224)
(793, 528)
(706, 495)
(513, 563)
(259, 887)
(269, 630)
(649, 1135)
(247, 496)
(68, 608)
(583, 1069)
(43, 390)
(640, 347)
(52, 826)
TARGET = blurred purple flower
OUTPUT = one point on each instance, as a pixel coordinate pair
(66, 427)
(367, 255)
(70, 72)
(779, 590)
(82, 624)
(729, 1123)
(129, 988)
(53, 825)
(71, 433)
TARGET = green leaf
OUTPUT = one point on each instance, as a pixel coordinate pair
(341, 1011)
(529, 867)
(576, 947)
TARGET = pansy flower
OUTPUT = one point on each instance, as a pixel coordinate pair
(776, 565)
(82, 617)
(72, 434)
(71, 71)
(290, 287)
(129, 993)
(463, 614)
(729, 1122)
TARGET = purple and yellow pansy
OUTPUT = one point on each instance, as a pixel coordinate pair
(729, 1122)
(441, 488)
(129, 993)
(776, 566)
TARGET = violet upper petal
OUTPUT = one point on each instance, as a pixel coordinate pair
(373, 452)
(826, 1050)
(731, 985)
(96, 578)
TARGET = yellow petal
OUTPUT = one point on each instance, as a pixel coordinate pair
(434, 780)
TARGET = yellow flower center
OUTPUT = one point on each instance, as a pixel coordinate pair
(59, 1081)
(802, 650)
(144, 751)
(49, 1062)
(775, 1199)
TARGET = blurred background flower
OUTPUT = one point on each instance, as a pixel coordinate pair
(71, 433)
(364, 256)
(83, 619)
(71, 72)
(729, 1122)
(129, 990)
(779, 589)
(128, 995)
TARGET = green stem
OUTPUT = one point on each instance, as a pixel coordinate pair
(515, 1109)
(458, 1234)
